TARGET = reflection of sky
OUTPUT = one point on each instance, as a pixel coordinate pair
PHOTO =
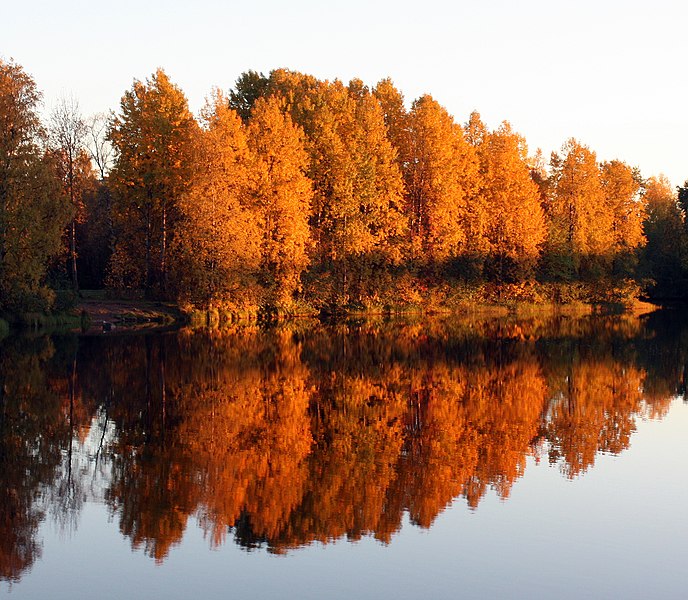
(619, 531)
(608, 73)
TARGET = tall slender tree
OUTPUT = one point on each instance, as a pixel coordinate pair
(68, 133)
(218, 245)
(515, 225)
(446, 217)
(621, 186)
(581, 235)
(282, 194)
(153, 138)
(665, 257)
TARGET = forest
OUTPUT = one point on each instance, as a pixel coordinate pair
(292, 195)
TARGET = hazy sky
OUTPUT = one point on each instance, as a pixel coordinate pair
(610, 73)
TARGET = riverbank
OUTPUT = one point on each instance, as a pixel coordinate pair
(97, 311)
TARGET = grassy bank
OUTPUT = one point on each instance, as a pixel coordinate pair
(102, 310)
(465, 299)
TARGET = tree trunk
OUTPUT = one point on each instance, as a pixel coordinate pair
(148, 250)
(163, 249)
(72, 251)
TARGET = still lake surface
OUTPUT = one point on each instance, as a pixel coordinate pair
(441, 458)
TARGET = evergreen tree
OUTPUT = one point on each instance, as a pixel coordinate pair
(248, 88)
(665, 257)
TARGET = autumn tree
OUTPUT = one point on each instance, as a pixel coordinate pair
(396, 117)
(33, 212)
(581, 235)
(446, 218)
(282, 194)
(621, 186)
(218, 249)
(515, 224)
(356, 215)
(153, 141)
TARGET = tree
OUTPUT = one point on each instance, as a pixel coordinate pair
(396, 117)
(621, 187)
(218, 248)
(32, 210)
(98, 144)
(249, 86)
(581, 237)
(665, 256)
(446, 218)
(515, 223)
(68, 133)
(282, 194)
(682, 198)
(356, 216)
(153, 138)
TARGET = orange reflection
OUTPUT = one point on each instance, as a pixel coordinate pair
(292, 436)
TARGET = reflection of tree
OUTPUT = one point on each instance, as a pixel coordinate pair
(216, 436)
(663, 355)
(286, 437)
(249, 437)
(596, 392)
(32, 436)
(594, 412)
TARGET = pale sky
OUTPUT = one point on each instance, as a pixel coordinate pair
(610, 73)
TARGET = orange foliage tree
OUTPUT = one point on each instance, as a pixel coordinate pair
(515, 223)
(281, 193)
(153, 137)
(218, 246)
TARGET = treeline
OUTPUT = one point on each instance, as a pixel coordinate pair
(293, 192)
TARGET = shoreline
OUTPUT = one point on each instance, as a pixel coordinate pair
(94, 316)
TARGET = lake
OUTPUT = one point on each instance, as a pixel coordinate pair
(417, 458)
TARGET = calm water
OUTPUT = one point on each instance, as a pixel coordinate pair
(438, 459)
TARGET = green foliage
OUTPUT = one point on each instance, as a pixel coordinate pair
(664, 260)
(247, 89)
(33, 211)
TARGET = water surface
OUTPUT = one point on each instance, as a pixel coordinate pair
(405, 459)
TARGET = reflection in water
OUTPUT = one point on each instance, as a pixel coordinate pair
(290, 436)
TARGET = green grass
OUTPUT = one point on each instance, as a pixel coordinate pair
(41, 321)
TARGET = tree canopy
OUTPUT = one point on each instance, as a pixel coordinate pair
(293, 191)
